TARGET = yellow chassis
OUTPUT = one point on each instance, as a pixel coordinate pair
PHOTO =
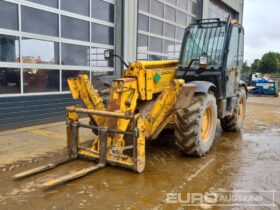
(141, 105)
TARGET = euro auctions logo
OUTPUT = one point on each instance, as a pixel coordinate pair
(192, 198)
(223, 198)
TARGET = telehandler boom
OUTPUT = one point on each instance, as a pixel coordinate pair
(189, 94)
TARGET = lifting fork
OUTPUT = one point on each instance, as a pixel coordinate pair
(105, 153)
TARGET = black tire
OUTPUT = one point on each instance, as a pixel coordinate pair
(188, 125)
(234, 123)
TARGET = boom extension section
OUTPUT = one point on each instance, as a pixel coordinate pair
(81, 88)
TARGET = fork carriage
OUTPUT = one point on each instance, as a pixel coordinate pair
(103, 148)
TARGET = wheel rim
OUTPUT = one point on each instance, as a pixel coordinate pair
(241, 109)
(206, 124)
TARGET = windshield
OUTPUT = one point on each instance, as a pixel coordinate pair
(208, 41)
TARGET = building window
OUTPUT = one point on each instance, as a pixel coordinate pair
(73, 28)
(103, 10)
(173, 2)
(169, 30)
(156, 8)
(142, 43)
(97, 58)
(194, 8)
(143, 22)
(166, 29)
(181, 18)
(8, 15)
(39, 54)
(156, 26)
(180, 33)
(50, 3)
(68, 74)
(170, 13)
(74, 55)
(80, 7)
(39, 21)
(9, 81)
(154, 57)
(102, 34)
(95, 78)
(39, 51)
(168, 47)
(9, 48)
(177, 49)
(155, 44)
(40, 80)
(144, 5)
(182, 4)
(219, 11)
(141, 56)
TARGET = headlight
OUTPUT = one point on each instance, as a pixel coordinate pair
(203, 60)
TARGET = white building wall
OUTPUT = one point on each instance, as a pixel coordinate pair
(236, 5)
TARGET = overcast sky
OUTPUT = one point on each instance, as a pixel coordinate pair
(262, 28)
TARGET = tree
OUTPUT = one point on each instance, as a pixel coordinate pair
(255, 67)
(269, 63)
(278, 56)
(246, 68)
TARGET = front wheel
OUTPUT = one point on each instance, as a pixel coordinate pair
(195, 126)
(234, 122)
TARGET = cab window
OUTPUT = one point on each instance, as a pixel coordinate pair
(232, 60)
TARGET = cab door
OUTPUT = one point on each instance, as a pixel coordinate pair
(234, 61)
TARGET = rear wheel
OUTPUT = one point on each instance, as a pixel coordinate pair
(195, 126)
(234, 122)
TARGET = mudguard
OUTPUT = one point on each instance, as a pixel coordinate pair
(243, 84)
(204, 86)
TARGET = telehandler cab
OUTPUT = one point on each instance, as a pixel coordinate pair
(189, 94)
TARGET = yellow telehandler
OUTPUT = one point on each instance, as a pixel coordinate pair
(188, 95)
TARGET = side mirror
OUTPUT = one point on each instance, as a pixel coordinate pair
(203, 61)
(108, 54)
